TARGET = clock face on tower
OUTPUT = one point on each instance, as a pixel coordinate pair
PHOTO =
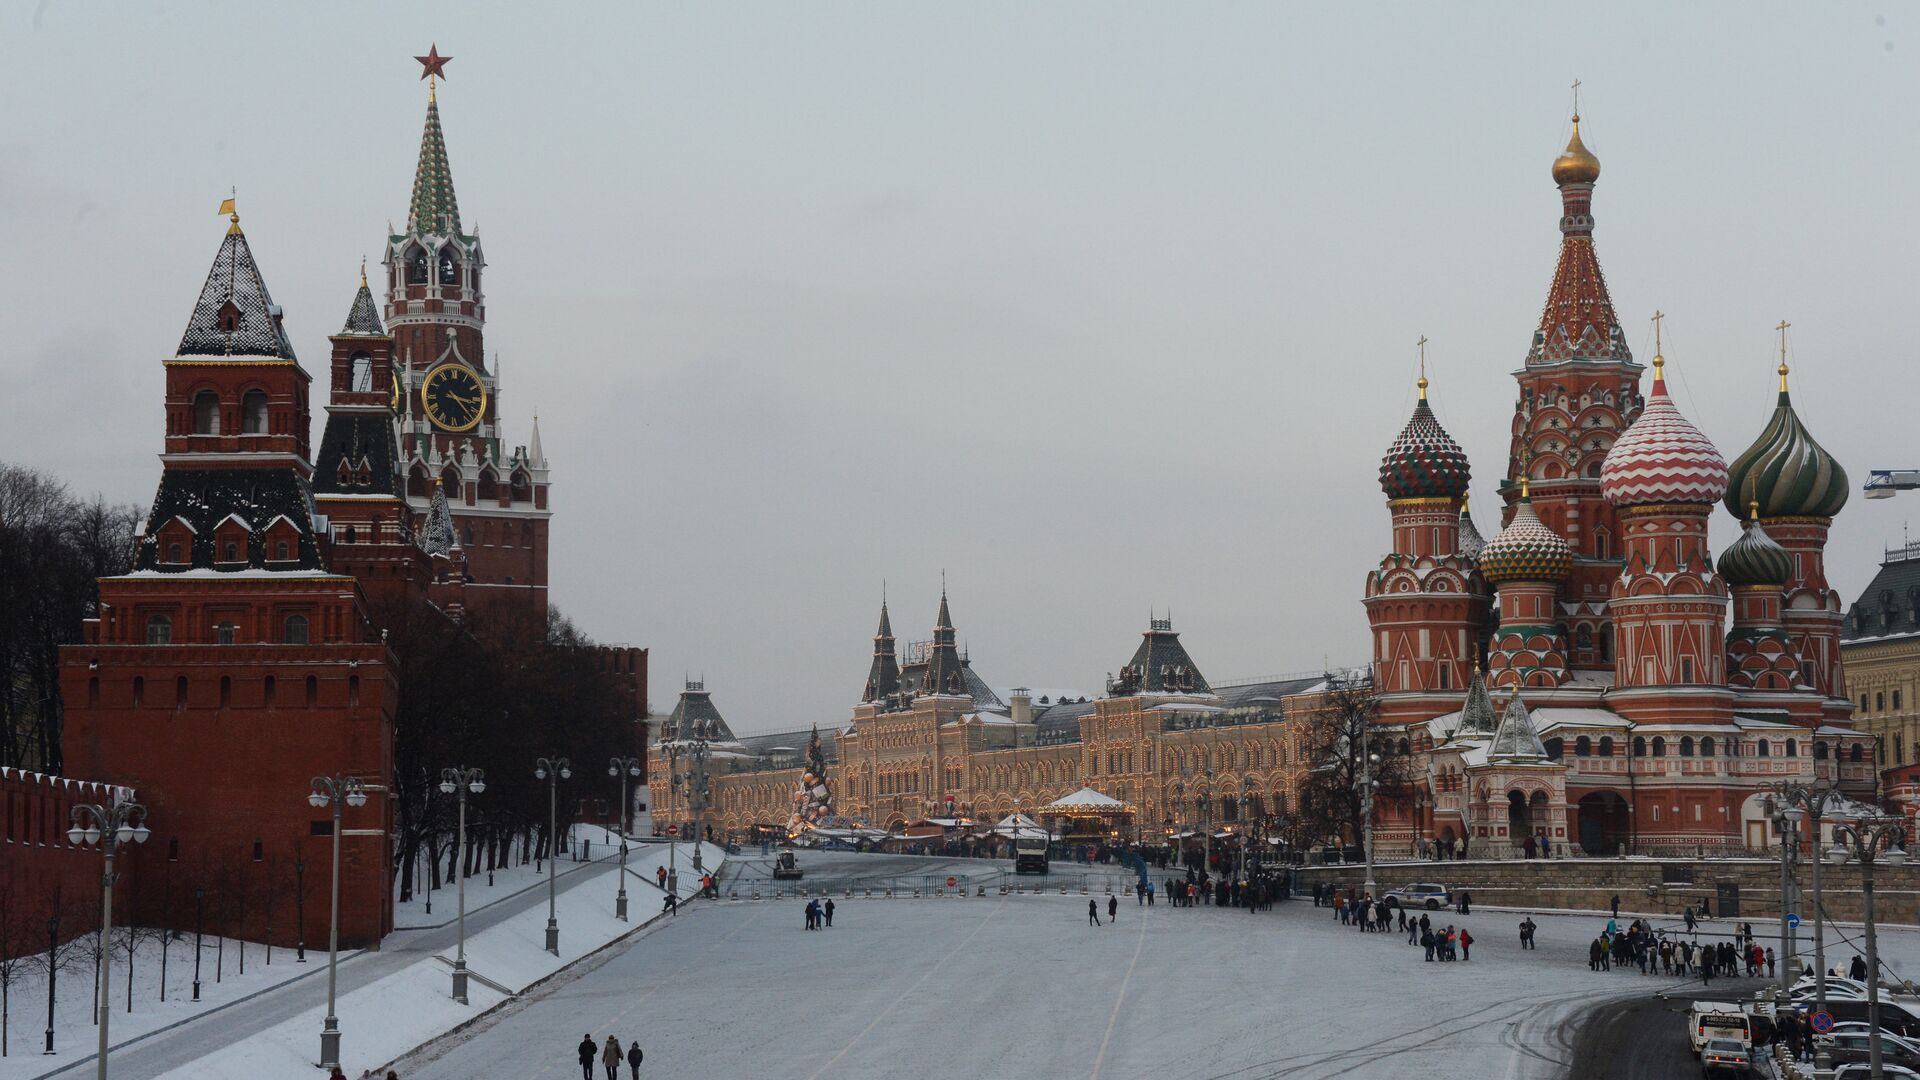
(393, 380)
(453, 398)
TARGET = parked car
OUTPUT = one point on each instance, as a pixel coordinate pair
(1860, 1070)
(1420, 894)
(1851, 1045)
(1721, 1057)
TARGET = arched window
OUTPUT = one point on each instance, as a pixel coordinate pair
(1659, 746)
(1583, 637)
(1606, 643)
(206, 413)
(1793, 748)
(1606, 746)
(159, 630)
(253, 412)
(1761, 748)
(521, 487)
(449, 266)
(1639, 746)
(296, 630)
(417, 267)
(1819, 750)
(1582, 747)
(1706, 746)
(1686, 746)
(1857, 751)
(362, 373)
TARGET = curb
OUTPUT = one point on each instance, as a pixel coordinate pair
(524, 992)
(540, 884)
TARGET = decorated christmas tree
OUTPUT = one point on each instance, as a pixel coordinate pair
(813, 800)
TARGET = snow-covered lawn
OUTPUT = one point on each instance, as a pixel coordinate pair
(1022, 986)
(595, 843)
(385, 1019)
(75, 1035)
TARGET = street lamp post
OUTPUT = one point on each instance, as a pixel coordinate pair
(460, 782)
(1863, 841)
(698, 782)
(1812, 801)
(199, 921)
(624, 768)
(333, 791)
(1367, 786)
(53, 949)
(553, 770)
(107, 826)
(1784, 821)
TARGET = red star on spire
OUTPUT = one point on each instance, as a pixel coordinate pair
(434, 64)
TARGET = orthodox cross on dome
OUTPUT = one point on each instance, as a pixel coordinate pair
(434, 66)
(1783, 353)
(1576, 101)
(1422, 346)
(1659, 360)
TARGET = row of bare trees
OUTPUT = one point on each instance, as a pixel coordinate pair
(53, 547)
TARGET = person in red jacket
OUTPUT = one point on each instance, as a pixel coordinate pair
(1466, 944)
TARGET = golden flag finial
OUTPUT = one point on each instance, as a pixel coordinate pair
(1422, 346)
(233, 216)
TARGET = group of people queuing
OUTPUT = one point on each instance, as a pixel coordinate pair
(1639, 945)
(1370, 914)
(611, 1056)
(1254, 890)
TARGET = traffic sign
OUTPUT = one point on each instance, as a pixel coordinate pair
(1822, 1022)
(1793, 920)
(952, 881)
(673, 830)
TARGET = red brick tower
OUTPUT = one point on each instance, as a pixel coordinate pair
(1579, 389)
(1427, 603)
(357, 481)
(231, 665)
(1669, 607)
(450, 421)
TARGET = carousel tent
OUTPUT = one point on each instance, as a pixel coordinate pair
(1020, 826)
(1084, 802)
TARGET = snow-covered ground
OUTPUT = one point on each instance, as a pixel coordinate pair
(1021, 986)
(75, 1035)
(591, 844)
(387, 1017)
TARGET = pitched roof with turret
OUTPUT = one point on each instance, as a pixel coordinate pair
(235, 316)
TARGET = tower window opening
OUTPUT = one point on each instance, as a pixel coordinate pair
(206, 413)
(296, 630)
(362, 373)
(416, 267)
(253, 412)
(159, 630)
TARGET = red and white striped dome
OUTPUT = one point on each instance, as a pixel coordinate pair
(1662, 458)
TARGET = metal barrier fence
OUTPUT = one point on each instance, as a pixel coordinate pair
(967, 882)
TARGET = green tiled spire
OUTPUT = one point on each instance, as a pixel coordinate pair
(434, 210)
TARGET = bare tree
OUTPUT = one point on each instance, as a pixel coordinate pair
(1341, 733)
(17, 943)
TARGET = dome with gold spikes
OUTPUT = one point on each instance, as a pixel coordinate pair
(1424, 462)
(1576, 164)
(1526, 550)
(1786, 471)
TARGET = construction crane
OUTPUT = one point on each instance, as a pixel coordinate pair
(1882, 483)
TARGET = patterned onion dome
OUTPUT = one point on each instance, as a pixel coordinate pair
(1755, 559)
(1662, 458)
(1424, 462)
(1526, 550)
(1471, 542)
(1785, 471)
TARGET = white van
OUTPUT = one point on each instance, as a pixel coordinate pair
(1717, 1020)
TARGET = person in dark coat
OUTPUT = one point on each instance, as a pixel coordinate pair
(1093, 913)
(827, 910)
(1857, 971)
(1427, 942)
(1113, 908)
(1527, 927)
(1466, 903)
(1616, 905)
(1594, 953)
(634, 1057)
(588, 1051)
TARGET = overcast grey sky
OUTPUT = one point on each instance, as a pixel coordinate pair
(1098, 307)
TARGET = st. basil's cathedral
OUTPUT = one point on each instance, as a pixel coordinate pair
(1574, 681)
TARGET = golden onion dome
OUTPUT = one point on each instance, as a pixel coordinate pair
(1576, 164)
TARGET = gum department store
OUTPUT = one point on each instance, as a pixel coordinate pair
(1574, 678)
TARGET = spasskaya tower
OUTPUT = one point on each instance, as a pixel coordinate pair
(447, 399)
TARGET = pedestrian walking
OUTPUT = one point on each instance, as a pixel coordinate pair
(1466, 944)
(612, 1057)
(634, 1058)
(1093, 913)
(588, 1051)
(1466, 902)
(1693, 924)
(1403, 918)
(1113, 908)
(1857, 971)
(1769, 963)
(828, 912)
(1527, 927)
(1149, 894)
(1615, 904)
(660, 876)
(813, 914)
